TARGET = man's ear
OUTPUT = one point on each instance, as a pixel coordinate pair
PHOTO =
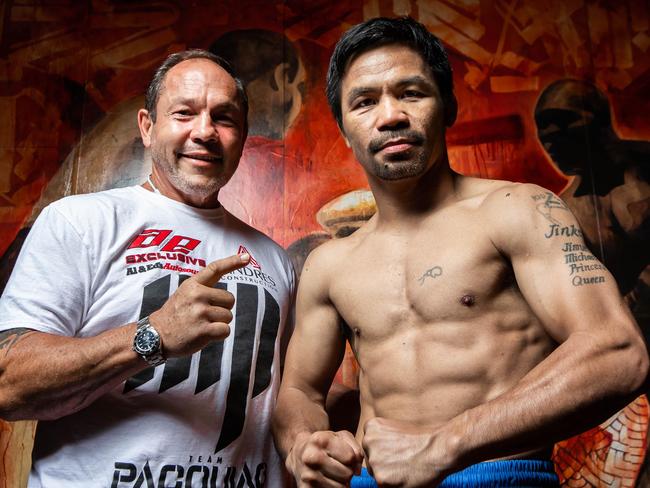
(451, 110)
(245, 132)
(145, 124)
(342, 131)
(347, 143)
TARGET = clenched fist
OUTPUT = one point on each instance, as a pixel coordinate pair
(399, 454)
(325, 459)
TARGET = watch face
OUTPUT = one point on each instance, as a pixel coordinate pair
(146, 341)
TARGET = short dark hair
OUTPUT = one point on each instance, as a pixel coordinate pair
(381, 31)
(155, 86)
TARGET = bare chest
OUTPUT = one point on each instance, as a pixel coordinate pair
(389, 285)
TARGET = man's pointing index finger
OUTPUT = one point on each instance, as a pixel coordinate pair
(213, 272)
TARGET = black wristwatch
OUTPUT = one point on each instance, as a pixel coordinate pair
(147, 343)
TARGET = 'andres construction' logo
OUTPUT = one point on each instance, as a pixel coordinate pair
(253, 263)
(252, 273)
(171, 250)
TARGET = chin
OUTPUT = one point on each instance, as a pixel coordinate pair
(400, 169)
(199, 186)
(401, 172)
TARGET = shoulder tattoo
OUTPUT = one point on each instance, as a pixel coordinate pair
(549, 205)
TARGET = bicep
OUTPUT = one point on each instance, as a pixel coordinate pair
(564, 284)
(569, 290)
(317, 345)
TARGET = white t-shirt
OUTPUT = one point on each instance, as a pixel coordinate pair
(95, 262)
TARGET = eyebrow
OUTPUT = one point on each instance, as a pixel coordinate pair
(226, 105)
(357, 92)
(411, 80)
(229, 105)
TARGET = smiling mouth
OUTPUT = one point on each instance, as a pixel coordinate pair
(209, 158)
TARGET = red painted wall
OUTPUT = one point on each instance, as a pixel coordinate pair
(72, 74)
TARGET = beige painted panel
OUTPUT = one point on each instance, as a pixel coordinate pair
(16, 442)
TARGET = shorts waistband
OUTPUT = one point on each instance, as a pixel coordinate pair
(523, 473)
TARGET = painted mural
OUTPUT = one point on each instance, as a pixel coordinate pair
(554, 93)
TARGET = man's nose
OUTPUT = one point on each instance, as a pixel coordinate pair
(391, 114)
(204, 129)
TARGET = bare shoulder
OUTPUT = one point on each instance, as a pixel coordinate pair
(322, 257)
(519, 200)
(334, 253)
(476, 191)
(323, 265)
(519, 213)
(503, 193)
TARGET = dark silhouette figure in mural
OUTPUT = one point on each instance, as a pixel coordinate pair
(609, 193)
(609, 188)
(130, 288)
(482, 324)
(273, 75)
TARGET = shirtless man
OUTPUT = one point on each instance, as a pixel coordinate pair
(483, 327)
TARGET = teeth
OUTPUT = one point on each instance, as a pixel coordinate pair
(202, 158)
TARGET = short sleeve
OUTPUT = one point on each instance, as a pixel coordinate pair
(49, 288)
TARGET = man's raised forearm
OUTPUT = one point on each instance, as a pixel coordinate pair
(576, 387)
(45, 376)
(296, 413)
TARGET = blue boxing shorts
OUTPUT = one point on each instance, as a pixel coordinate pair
(524, 473)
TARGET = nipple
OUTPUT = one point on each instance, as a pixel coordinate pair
(467, 300)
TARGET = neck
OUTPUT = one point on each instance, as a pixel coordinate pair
(399, 201)
(160, 184)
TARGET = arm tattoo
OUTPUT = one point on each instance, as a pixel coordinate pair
(546, 202)
(430, 273)
(8, 338)
(547, 205)
(580, 260)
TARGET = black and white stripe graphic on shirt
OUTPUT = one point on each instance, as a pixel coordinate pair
(177, 370)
